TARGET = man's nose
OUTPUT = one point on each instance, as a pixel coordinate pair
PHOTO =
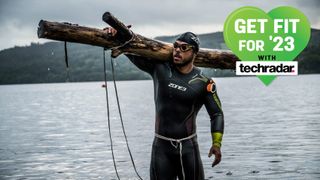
(177, 49)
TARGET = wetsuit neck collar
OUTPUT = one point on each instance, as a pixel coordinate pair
(179, 71)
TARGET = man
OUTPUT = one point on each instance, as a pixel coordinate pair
(180, 90)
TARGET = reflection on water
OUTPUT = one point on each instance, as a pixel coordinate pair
(59, 131)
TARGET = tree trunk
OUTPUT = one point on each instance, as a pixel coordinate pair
(128, 42)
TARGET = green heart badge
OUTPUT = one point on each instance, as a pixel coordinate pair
(254, 35)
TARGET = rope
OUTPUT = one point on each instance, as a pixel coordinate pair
(178, 143)
(108, 114)
(108, 108)
(120, 114)
(125, 43)
(66, 60)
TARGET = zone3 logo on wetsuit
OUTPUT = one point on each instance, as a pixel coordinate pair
(181, 88)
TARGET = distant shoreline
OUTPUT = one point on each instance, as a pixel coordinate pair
(110, 81)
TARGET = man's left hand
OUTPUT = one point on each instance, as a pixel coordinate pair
(217, 153)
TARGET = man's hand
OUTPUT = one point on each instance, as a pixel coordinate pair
(111, 31)
(217, 153)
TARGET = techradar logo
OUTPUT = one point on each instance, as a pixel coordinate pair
(283, 68)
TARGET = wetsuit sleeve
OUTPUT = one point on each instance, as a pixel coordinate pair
(142, 63)
(213, 106)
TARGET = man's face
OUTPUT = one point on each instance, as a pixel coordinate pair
(183, 54)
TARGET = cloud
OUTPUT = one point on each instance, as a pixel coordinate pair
(19, 19)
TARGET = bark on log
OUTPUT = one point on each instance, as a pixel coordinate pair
(128, 42)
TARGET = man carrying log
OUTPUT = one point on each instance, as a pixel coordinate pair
(180, 91)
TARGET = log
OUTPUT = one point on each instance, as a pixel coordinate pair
(128, 42)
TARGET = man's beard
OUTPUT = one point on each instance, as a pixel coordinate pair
(184, 62)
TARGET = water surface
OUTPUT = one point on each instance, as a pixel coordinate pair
(59, 131)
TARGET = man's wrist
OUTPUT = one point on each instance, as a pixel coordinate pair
(216, 144)
(216, 139)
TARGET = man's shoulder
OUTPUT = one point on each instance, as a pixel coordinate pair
(199, 77)
(162, 64)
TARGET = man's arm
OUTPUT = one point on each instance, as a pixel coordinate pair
(142, 63)
(213, 106)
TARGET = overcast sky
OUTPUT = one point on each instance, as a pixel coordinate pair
(19, 18)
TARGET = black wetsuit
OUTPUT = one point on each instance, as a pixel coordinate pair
(178, 98)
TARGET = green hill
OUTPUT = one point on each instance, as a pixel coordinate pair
(44, 63)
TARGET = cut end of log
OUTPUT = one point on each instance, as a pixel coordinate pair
(106, 16)
(40, 31)
(124, 34)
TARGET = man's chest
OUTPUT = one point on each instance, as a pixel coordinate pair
(177, 87)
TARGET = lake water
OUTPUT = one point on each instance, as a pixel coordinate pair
(59, 131)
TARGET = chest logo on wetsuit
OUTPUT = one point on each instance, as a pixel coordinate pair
(181, 88)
